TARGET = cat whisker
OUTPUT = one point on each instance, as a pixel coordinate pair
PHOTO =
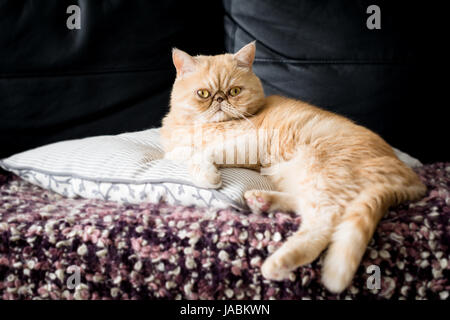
(246, 113)
(237, 113)
(205, 115)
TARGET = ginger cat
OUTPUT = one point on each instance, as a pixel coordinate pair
(339, 176)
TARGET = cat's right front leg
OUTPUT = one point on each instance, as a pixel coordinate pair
(179, 154)
(204, 172)
(205, 175)
(201, 167)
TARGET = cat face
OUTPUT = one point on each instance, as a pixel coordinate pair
(216, 88)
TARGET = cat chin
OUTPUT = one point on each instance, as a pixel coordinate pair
(219, 116)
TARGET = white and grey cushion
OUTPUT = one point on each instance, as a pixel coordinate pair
(129, 168)
(126, 168)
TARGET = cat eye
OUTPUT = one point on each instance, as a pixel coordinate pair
(203, 93)
(234, 91)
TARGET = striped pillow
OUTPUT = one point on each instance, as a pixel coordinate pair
(126, 168)
(129, 168)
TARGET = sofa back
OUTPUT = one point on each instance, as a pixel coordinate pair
(327, 53)
(107, 69)
(112, 75)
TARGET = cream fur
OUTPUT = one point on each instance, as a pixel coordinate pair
(339, 176)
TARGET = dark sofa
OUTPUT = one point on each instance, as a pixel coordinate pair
(114, 74)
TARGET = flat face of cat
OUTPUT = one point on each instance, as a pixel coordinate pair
(216, 88)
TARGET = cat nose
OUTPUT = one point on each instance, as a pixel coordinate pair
(219, 97)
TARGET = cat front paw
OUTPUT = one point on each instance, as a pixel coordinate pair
(206, 176)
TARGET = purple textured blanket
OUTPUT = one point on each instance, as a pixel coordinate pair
(57, 248)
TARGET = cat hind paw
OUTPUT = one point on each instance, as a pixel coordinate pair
(274, 269)
(257, 201)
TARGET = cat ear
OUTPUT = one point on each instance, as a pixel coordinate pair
(246, 55)
(183, 62)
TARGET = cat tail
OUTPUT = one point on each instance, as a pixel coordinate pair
(355, 229)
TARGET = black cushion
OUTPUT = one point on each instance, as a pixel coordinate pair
(112, 75)
(322, 52)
